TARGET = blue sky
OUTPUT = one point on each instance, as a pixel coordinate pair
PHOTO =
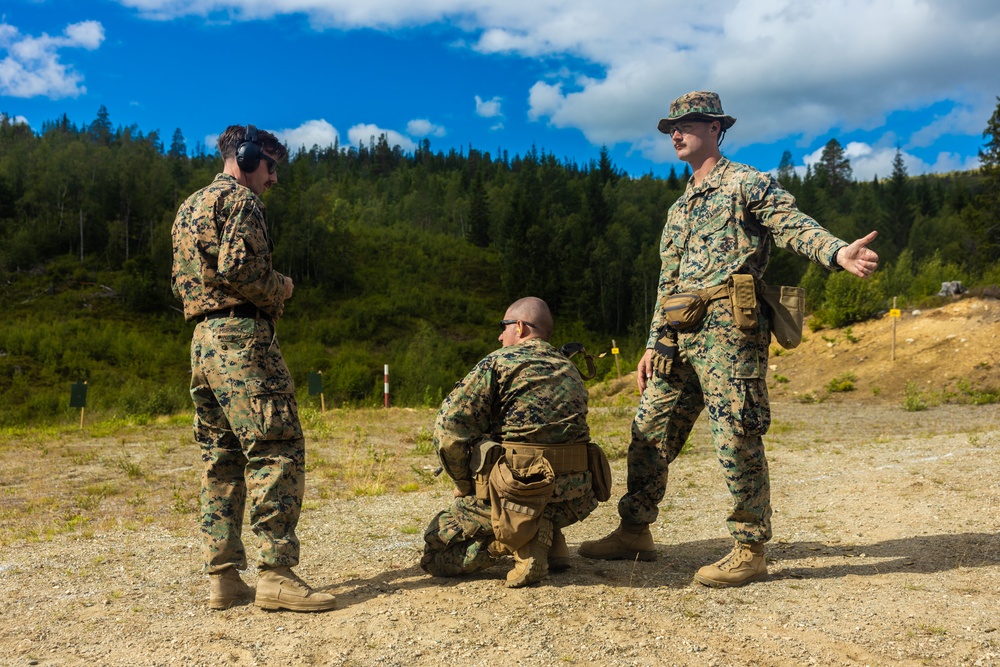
(566, 76)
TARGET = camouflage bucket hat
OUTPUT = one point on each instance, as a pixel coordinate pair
(699, 105)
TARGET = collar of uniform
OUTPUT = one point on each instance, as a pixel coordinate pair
(714, 179)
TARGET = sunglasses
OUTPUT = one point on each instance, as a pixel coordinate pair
(505, 323)
(272, 164)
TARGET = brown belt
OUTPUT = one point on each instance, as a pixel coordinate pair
(564, 459)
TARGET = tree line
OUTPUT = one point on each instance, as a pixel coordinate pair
(416, 253)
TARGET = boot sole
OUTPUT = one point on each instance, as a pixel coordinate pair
(270, 604)
(712, 583)
(645, 556)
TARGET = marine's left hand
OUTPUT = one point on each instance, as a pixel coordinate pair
(857, 258)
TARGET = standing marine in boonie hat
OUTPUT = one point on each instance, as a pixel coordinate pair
(716, 244)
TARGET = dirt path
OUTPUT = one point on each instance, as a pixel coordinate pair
(886, 552)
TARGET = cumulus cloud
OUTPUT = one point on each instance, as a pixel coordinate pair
(488, 108)
(32, 65)
(310, 133)
(869, 161)
(421, 127)
(783, 67)
(364, 133)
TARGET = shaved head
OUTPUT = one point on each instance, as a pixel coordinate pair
(534, 310)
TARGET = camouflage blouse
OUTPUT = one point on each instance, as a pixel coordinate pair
(222, 251)
(725, 225)
(529, 392)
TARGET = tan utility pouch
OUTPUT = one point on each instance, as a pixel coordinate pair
(600, 471)
(788, 307)
(744, 298)
(483, 457)
(684, 310)
(519, 492)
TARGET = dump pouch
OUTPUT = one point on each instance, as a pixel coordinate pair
(787, 305)
(519, 492)
(744, 300)
(600, 471)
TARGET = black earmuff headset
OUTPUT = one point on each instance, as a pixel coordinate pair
(249, 152)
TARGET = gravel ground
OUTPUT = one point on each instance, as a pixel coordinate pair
(886, 552)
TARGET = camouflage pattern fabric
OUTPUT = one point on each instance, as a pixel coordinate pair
(720, 368)
(529, 393)
(246, 418)
(222, 251)
(723, 226)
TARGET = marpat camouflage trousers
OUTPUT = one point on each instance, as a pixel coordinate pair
(723, 369)
(457, 538)
(246, 421)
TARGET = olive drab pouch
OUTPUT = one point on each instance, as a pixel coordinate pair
(482, 458)
(600, 471)
(787, 305)
(744, 300)
(519, 491)
(684, 310)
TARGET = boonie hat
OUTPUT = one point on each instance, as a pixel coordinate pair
(699, 105)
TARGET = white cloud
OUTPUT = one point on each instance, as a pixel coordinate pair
(783, 67)
(362, 134)
(32, 66)
(421, 127)
(869, 161)
(488, 108)
(308, 134)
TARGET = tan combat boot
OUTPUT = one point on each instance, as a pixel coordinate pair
(280, 588)
(559, 552)
(745, 563)
(225, 588)
(630, 540)
(531, 562)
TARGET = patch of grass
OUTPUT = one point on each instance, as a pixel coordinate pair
(841, 383)
(913, 399)
(781, 379)
(423, 442)
(849, 335)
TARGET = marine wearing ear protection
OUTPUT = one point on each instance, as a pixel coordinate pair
(249, 152)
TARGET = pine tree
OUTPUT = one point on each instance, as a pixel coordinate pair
(989, 198)
(833, 171)
(899, 203)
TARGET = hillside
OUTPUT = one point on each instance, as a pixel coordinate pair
(944, 354)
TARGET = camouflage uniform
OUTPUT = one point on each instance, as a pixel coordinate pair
(723, 226)
(530, 393)
(246, 419)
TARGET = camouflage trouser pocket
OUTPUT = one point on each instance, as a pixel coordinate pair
(275, 410)
(751, 411)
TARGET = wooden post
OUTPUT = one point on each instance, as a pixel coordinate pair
(387, 385)
(82, 410)
(894, 313)
(614, 351)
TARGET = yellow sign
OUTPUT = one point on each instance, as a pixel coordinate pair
(614, 350)
(894, 312)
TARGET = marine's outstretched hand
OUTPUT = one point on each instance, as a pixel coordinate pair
(858, 258)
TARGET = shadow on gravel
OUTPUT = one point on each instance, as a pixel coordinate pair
(922, 554)
(676, 564)
(360, 590)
